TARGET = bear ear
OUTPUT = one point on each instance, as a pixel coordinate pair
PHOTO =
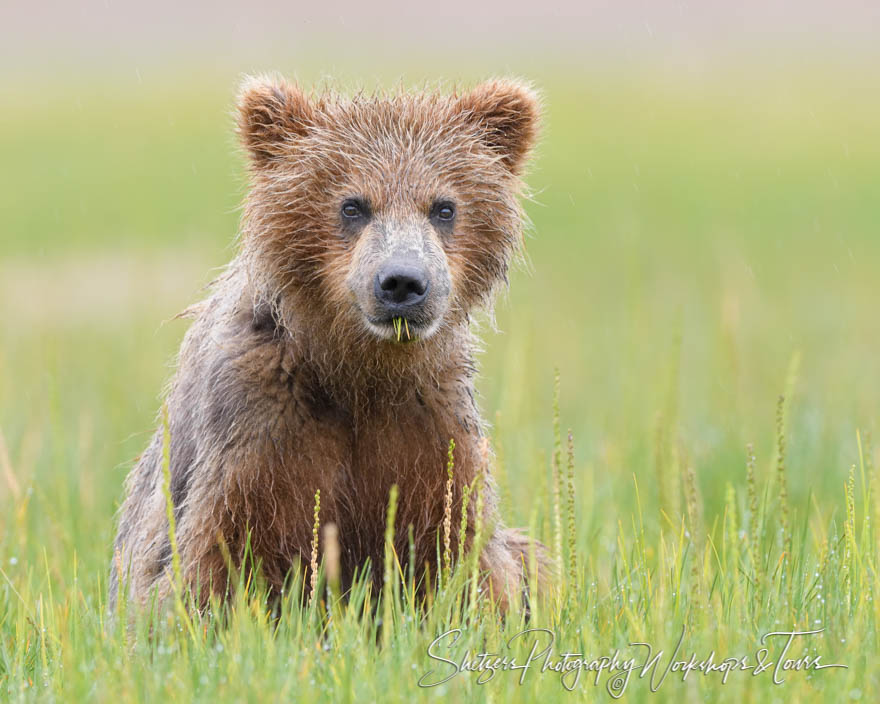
(509, 113)
(271, 113)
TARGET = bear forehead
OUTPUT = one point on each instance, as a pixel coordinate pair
(421, 135)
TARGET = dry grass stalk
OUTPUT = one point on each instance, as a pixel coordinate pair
(313, 563)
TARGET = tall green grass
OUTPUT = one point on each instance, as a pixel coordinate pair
(708, 586)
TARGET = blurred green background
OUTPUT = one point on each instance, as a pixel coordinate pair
(704, 228)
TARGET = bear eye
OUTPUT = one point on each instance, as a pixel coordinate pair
(447, 212)
(444, 211)
(353, 209)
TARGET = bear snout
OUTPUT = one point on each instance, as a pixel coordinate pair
(400, 280)
(405, 298)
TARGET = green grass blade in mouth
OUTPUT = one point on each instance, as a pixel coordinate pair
(401, 328)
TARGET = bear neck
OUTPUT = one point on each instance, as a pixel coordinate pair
(363, 373)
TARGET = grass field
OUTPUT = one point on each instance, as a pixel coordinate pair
(700, 248)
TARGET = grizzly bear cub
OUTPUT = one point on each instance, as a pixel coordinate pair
(334, 353)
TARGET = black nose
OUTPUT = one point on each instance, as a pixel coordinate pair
(401, 285)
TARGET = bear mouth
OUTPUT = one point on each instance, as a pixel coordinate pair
(401, 330)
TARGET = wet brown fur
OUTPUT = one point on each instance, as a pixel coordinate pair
(281, 390)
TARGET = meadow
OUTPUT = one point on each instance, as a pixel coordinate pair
(701, 273)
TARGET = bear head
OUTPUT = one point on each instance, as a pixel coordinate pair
(383, 219)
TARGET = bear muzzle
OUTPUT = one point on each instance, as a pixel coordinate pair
(404, 306)
(400, 280)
